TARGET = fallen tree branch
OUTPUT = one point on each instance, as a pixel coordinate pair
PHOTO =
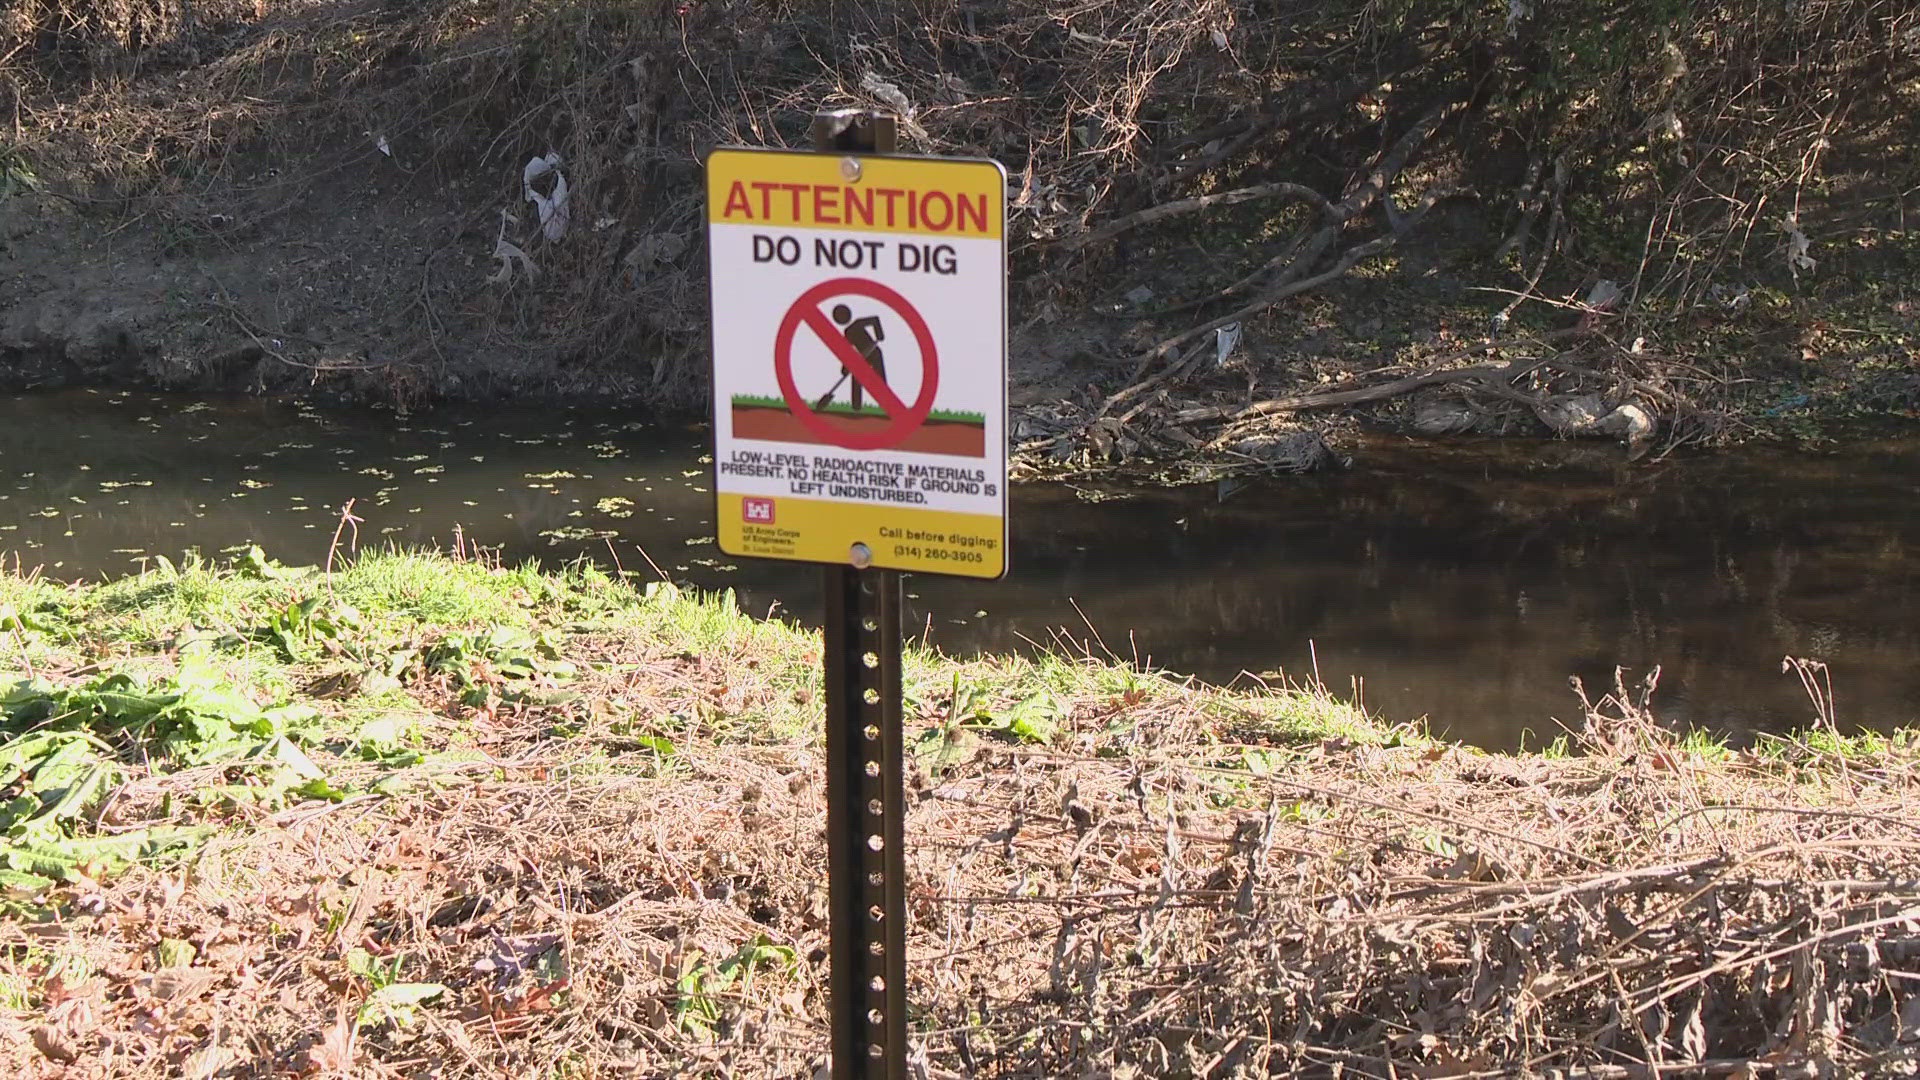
(1358, 199)
(1530, 202)
(1390, 164)
(1496, 378)
(1713, 1067)
(1245, 128)
(1559, 184)
(1485, 374)
(1286, 262)
(1348, 259)
(1401, 224)
(1300, 256)
(1172, 373)
(1138, 386)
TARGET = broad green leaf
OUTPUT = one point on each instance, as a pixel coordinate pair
(175, 953)
(397, 1002)
(659, 744)
(320, 789)
(18, 882)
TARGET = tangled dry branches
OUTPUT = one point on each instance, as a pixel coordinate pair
(1163, 892)
(1294, 144)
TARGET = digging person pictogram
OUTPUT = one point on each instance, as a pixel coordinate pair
(865, 335)
(879, 418)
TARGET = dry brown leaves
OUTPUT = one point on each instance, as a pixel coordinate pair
(1144, 898)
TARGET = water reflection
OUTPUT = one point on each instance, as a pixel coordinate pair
(1463, 582)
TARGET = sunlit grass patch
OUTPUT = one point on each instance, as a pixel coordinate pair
(1825, 742)
(29, 599)
(35, 625)
(433, 589)
(194, 590)
(1304, 711)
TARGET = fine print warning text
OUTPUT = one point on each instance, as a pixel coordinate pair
(859, 478)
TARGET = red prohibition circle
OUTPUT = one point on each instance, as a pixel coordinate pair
(906, 421)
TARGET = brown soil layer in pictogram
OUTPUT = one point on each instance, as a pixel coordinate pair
(932, 437)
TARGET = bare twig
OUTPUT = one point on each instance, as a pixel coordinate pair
(347, 521)
(1163, 211)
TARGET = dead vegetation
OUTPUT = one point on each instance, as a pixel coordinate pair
(1163, 887)
(1674, 179)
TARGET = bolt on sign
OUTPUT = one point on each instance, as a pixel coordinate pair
(859, 359)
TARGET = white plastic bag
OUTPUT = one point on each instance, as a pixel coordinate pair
(554, 215)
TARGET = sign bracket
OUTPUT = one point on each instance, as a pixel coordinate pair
(866, 863)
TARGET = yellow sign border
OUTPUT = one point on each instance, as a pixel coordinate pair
(896, 535)
(822, 531)
(798, 181)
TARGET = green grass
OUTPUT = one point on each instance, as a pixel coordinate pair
(427, 590)
(399, 666)
(378, 617)
(304, 684)
(945, 416)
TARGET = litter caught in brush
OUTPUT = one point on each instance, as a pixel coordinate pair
(1797, 246)
(1225, 338)
(554, 214)
(507, 251)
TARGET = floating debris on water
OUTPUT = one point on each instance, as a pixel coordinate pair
(576, 534)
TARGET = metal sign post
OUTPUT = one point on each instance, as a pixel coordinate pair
(866, 865)
(859, 394)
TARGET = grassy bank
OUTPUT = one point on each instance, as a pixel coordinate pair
(430, 816)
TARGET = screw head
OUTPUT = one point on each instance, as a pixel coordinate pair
(861, 556)
(850, 168)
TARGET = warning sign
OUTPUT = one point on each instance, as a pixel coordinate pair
(859, 355)
(857, 344)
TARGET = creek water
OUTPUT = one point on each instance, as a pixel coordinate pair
(1462, 582)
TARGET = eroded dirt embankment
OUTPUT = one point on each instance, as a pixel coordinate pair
(1228, 224)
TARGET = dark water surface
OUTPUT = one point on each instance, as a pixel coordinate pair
(1463, 582)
